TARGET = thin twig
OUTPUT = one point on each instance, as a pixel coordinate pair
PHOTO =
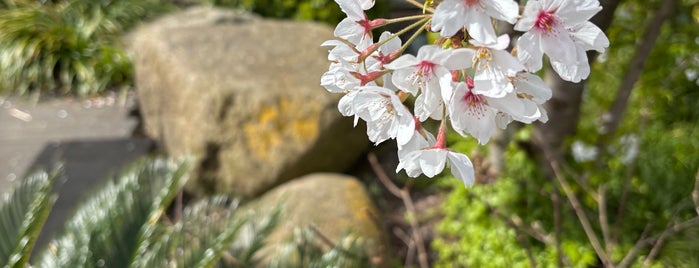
(410, 253)
(412, 219)
(626, 261)
(381, 174)
(558, 226)
(695, 193)
(404, 195)
(577, 206)
(527, 249)
(658, 243)
(603, 221)
(516, 223)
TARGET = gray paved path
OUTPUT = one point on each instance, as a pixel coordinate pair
(91, 138)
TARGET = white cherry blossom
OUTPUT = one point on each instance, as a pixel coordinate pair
(428, 73)
(494, 67)
(384, 113)
(450, 16)
(385, 53)
(561, 30)
(356, 27)
(477, 114)
(418, 159)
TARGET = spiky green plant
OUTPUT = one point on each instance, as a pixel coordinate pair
(126, 224)
(22, 214)
(67, 46)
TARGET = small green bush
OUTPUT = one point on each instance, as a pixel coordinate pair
(67, 46)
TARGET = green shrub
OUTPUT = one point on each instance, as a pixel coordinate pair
(67, 46)
(654, 151)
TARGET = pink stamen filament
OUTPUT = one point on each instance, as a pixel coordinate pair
(545, 20)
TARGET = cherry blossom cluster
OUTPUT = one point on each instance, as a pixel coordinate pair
(467, 79)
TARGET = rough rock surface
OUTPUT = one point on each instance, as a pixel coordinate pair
(241, 94)
(335, 204)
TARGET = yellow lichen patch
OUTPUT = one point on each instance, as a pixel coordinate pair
(361, 208)
(276, 125)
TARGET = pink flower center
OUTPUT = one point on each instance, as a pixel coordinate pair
(476, 104)
(545, 20)
(471, 2)
(423, 73)
(425, 68)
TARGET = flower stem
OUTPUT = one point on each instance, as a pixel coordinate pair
(408, 18)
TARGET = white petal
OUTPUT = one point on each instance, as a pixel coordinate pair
(573, 72)
(459, 59)
(480, 27)
(529, 16)
(404, 61)
(575, 12)
(401, 78)
(461, 167)
(534, 86)
(529, 51)
(448, 17)
(349, 29)
(352, 8)
(432, 161)
(506, 10)
(590, 37)
(558, 45)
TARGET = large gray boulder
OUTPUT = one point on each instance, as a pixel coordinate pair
(242, 95)
(338, 206)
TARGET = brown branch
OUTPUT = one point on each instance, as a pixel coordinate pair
(404, 195)
(634, 71)
(575, 203)
(626, 261)
(381, 174)
(557, 224)
(603, 221)
(516, 223)
(527, 249)
(658, 240)
(695, 193)
(412, 219)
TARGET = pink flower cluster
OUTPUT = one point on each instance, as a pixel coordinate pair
(467, 79)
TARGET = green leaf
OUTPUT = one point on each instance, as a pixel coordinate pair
(22, 215)
(120, 221)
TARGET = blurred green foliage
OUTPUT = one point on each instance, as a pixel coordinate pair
(67, 46)
(655, 150)
(73, 46)
(126, 224)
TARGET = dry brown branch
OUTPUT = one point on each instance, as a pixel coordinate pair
(695, 193)
(553, 161)
(516, 223)
(626, 261)
(656, 241)
(415, 228)
(659, 240)
(404, 195)
(381, 174)
(527, 249)
(603, 221)
(557, 223)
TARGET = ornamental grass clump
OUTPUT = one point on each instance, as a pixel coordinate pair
(66, 46)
